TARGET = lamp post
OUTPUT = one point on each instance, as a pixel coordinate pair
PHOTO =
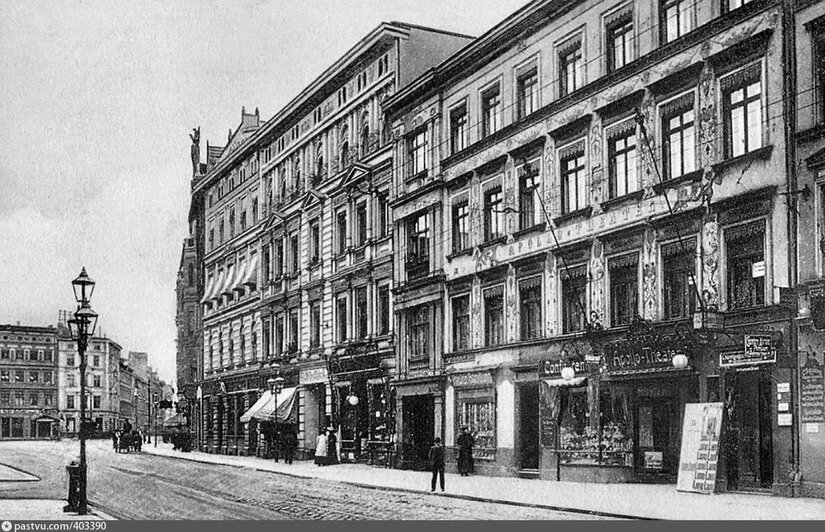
(82, 326)
(275, 386)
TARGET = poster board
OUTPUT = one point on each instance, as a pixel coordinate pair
(699, 457)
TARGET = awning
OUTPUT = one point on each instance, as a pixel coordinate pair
(174, 421)
(264, 408)
(575, 382)
(237, 282)
(230, 280)
(250, 278)
(216, 289)
(207, 294)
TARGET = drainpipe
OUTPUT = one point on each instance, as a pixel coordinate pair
(789, 104)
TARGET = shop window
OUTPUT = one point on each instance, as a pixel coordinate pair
(602, 440)
(17, 427)
(745, 247)
(573, 299)
(624, 289)
(384, 315)
(678, 268)
(461, 229)
(493, 214)
(491, 107)
(361, 314)
(678, 143)
(571, 67)
(341, 317)
(530, 311)
(461, 322)
(573, 179)
(621, 160)
(676, 18)
(419, 332)
(529, 190)
(382, 413)
(458, 129)
(527, 91)
(619, 37)
(742, 104)
(494, 316)
(476, 410)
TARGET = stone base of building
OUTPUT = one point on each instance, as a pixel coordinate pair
(811, 489)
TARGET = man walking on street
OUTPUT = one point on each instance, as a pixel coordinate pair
(437, 462)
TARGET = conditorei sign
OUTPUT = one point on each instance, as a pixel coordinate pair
(552, 368)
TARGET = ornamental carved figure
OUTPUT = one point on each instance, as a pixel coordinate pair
(648, 166)
(710, 263)
(597, 278)
(707, 118)
(649, 274)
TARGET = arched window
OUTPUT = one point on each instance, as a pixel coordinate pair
(364, 140)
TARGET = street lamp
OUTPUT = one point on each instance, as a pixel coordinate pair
(82, 326)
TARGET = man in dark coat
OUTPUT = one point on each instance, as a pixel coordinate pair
(465, 452)
(290, 444)
(437, 462)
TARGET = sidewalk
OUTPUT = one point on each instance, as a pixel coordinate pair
(620, 500)
(44, 510)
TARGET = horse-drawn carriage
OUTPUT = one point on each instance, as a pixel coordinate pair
(128, 441)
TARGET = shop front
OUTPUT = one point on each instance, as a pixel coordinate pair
(419, 404)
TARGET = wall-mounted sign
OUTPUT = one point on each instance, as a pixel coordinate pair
(653, 459)
(472, 380)
(634, 357)
(758, 349)
(552, 368)
(314, 375)
(812, 391)
(758, 269)
(784, 420)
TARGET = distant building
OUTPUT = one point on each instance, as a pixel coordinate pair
(28, 385)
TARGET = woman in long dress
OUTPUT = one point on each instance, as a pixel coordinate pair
(465, 452)
(321, 449)
(332, 445)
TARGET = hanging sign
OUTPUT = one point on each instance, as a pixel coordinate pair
(700, 447)
(758, 350)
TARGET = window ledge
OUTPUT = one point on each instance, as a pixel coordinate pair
(415, 177)
(754, 155)
(459, 253)
(627, 198)
(581, 213)
(537, 228)
(493, 242)
(696, 175)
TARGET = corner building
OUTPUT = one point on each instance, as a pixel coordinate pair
(298, 259)
(573, 191)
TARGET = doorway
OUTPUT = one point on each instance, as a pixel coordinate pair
(418, 428)
(749, 446)
(529, 427)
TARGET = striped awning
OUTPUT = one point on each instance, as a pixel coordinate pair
(207, 294)
(228, 282)
(250, 277)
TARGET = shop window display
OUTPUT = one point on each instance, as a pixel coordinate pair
(605, 442)
(477, 412)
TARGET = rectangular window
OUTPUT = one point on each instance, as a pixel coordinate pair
(34, 399)
(384, 309)
(624, 289)
(70, 360)
(529, 190)
(461, 229)
(254, 210)
(494, 316)
(18, 354)
(679, 143)
(418, 246)
(490, 111)
(573, 180)
(5, 399)
(221, 232)
(621, 161)
(493, 214)
(461, 322)
(47, 377)
(531, 315)
(4, 354)
(47, 355)
(211, 238)
(314, 241)
(742, 104)
(571, 69)
(70, 402)
(361, 312)
(243, 220)
(47, 399)
(361, 222)
(4, 375)
(96, 361)
(745, 247)
(573, 298)
(730, 5)
(527, 92)
(418, 147)
(70, 380)
(383, 214)
(279, 334)
(341, 231)
(419, 332)
(341, 317)
(95, 401)
(231, 222)
(295, 252)
(678, 266)
(458, 129)
(18, 375)
(294, 330)
(620, 42)
(32, 354)
(278, 266)
(819, 72)
(96, 381)
(677, 18)
(33, 376)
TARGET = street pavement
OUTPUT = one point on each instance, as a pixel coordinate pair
(141, 486)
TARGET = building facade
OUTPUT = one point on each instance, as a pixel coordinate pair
(297, 263)
(579, 196)
(28, 382)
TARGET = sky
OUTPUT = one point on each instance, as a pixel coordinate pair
(97, 100)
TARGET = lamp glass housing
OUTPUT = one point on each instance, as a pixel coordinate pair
(352, 399)
(83, 287)
(568, 373)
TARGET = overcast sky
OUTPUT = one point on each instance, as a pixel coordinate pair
(96, 103)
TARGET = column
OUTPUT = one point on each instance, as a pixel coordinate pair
(246, 436)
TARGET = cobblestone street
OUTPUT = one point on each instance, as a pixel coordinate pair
(141, 486)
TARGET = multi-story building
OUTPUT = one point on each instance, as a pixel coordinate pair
(573, 192)
(28, 382)
(102, 382)
(808, 196)
(297, 260)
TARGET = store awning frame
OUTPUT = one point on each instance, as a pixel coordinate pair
(265, 408)
(575, 382)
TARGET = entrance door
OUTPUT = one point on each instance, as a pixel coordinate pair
(44, 429)
(418, 429)
(656, 437)
(529, 429)
(750, 447)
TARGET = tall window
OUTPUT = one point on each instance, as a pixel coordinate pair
(361, 313)
(494, 315)
(341, 231)
(458, 129)
(294, 250)
(461, 322)
(294, 330)
(493, 214)
(573, 182)
(742, 104)
(384, 315)
(677, 18)
(383, 214)
(624, 289)
(490, 111)
(621, 155)
(418, 245)
(461, 229)
(529, 190)
(341, 317)
(745, 247)
(315, 324)
(231, 222)
(220, 232)
(279, 334)
(70, 402)
(573, 298)
(677, 267)
(620, 41)
(530, 298)
(819, 71)
(361, 222)
(278, 266)
(679, 143)
(314, 241)
(418, 147)
(571, 68)
(254, 210)
(527, 92)
(419, 332)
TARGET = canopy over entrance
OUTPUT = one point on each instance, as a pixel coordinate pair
(265, 408)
